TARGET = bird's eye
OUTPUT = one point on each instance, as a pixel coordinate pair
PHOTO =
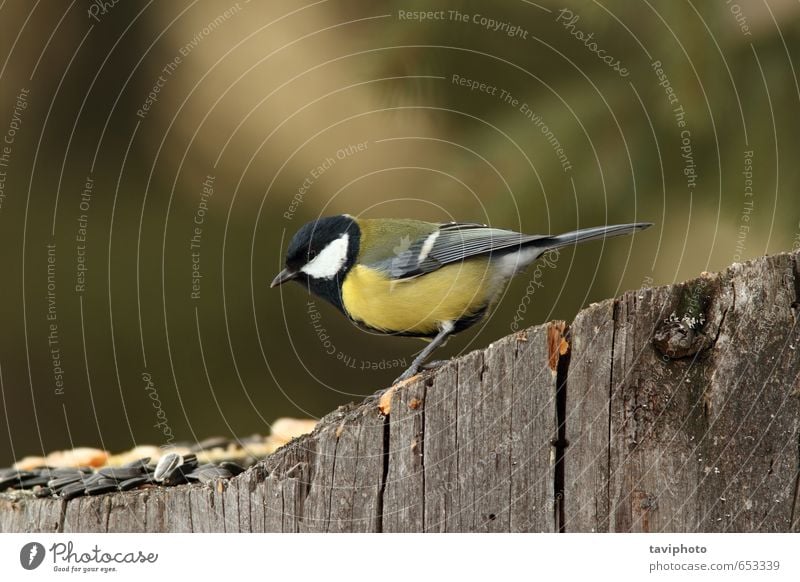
(312, 255)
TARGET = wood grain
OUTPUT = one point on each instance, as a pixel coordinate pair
(679, 409)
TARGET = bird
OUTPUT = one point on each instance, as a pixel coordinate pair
(414, 278)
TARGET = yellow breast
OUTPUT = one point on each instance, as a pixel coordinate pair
(419, 305)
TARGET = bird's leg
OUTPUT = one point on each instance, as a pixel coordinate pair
(424, 354)
(415, 366)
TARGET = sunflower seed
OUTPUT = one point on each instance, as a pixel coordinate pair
(174, 478)
(177, 476)
(233, 468)
(106, 486)
(137, 463)
(211, 474)
(167, 464)
(43, 492)
(193, 475)
(61, 482)
(47, 473)
(15, 478)
(93, 479)
(66, 472)
(135, 482)
(121, 473)
(31, 482)
(72, 491)
(177, 473)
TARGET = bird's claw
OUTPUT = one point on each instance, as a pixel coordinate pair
(403, 378)
(414, 370)
(410, 373)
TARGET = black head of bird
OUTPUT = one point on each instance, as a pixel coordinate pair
(415, 278)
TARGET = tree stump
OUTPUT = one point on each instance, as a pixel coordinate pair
(669, 409)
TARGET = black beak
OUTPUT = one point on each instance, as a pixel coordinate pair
(282, 277)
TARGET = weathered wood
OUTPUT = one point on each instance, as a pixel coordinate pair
(679, 409)
(533, 428)
(404, 489)
(704, 441)
(587, 429)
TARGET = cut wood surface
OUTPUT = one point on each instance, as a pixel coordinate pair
(672, 409)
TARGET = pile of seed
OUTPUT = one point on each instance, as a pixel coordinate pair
(68, 483)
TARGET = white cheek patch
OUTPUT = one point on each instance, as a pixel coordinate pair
(328, 263)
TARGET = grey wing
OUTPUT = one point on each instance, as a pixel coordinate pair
(452, 243)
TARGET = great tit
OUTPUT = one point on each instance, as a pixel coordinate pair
(414, 278)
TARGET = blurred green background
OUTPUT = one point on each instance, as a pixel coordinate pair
(217, 116)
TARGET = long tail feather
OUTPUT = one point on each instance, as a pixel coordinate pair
(587, 234)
